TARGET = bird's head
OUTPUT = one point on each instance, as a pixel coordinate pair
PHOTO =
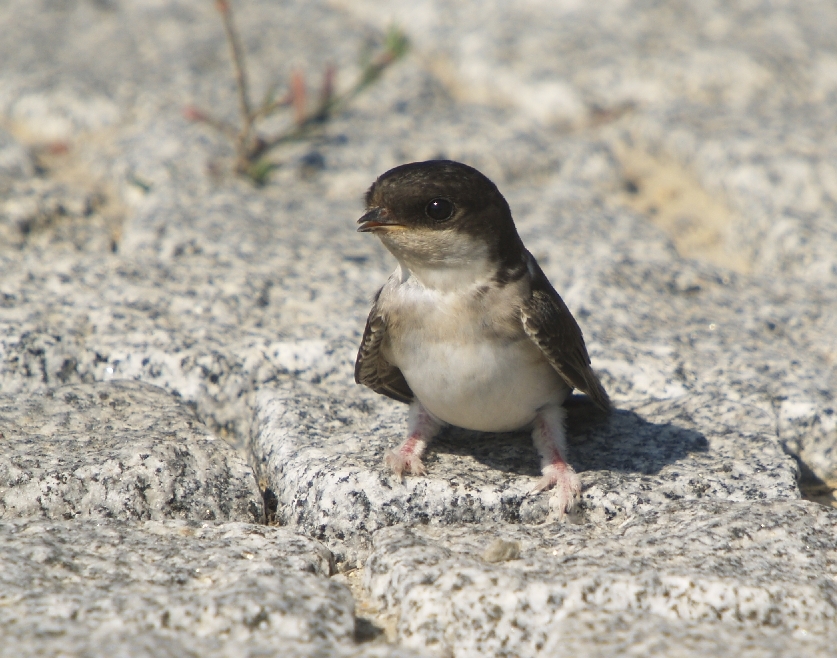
(440, 214)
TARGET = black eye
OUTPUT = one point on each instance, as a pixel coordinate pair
(439, 209)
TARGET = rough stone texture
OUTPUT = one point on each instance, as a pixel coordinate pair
(122, 450)
(742, 95)
(213, 312)
(677, 580)
(601, 634)
(671, 165)
(167, 588)
(324, 460)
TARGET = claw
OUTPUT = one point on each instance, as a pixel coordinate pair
(565, 485)
(407, 457)
(550, 440)
(400, 462)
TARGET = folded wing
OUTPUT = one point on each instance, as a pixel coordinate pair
(550, 325)
(372, 369)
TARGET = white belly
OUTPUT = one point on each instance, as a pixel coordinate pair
(464, 353)
(488, 385)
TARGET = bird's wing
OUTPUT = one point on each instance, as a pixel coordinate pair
(551, 326)
(372, 369)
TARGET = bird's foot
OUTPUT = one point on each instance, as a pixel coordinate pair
(401, 461)
(407, 457)
(564, 483)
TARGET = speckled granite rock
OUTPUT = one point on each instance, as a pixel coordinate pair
(731, 108)
(323, 457)
(110, 588)
(756, 576)
(121, 450)
(216, 290)
(127, 251)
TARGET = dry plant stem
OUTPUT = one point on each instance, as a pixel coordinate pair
(270, 107)
(247, 116)
(329, 103)
(221, 126)
(250, 147)
(327, 90)
(299, 96)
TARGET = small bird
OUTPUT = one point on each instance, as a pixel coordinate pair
(468, 330)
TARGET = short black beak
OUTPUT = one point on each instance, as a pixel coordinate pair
(375, 218)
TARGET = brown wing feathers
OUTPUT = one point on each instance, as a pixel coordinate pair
(372, 369)
(546, 320)
(551, 326)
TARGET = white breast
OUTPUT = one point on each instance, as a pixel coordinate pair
(465, 355)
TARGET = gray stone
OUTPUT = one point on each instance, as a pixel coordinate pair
(122, 450)
(689, 577)
(99, 588)
(601, 634)
(323, 456)
(671, 167)
(45, 211)
(15, 162)
(743, 94)
(155, 311)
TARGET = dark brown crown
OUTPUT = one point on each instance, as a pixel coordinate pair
(479, 209)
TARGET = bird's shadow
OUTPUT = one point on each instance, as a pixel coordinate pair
(621, 441)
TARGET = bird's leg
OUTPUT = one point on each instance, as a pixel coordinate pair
(422, 427)
(550, 440)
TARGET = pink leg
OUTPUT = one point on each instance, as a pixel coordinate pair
(422, 429)
(551, 442)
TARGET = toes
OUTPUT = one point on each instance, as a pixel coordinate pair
(395, 462)
(565, 485)
(562, 502)
(400, 463)
(542, 485)
(417, 467)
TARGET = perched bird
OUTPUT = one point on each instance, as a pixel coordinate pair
(468, 330)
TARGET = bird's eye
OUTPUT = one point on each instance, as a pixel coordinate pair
(439, 209)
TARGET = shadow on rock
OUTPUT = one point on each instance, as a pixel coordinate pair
(621, 442)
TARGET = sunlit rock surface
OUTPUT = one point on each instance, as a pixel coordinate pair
(670, 165)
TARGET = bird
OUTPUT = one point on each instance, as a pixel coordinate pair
(468, 329)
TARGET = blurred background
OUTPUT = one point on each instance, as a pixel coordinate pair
(716, 119)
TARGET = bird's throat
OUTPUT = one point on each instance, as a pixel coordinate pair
(443, 265)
